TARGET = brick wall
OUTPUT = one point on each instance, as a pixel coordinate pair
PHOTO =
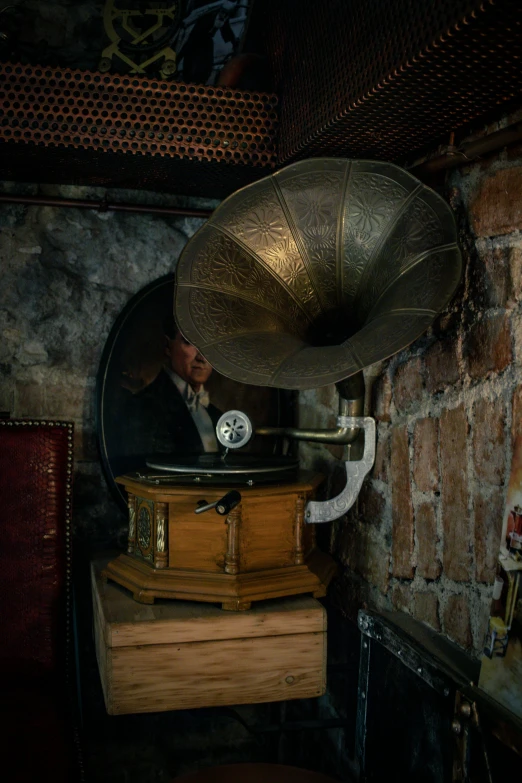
(424, 535)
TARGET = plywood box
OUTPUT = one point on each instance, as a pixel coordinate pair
(182, 654)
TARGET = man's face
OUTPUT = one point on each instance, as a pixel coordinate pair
(187, 362)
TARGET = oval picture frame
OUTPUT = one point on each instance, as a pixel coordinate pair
(131, 360)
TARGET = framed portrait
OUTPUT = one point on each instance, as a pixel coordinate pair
(151, 382)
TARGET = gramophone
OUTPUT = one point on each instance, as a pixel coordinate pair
(297, 281)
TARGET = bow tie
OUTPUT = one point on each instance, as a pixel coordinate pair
(194, 400)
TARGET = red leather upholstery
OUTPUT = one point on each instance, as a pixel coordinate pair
(35, 492)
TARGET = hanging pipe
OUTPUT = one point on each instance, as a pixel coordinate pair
(102, 206)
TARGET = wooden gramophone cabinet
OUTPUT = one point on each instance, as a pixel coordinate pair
(262, 549)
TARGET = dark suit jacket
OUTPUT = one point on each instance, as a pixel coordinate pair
(156, 420)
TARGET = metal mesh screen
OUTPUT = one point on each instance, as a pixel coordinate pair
(378, 79)
(145, 124)
(363, 79)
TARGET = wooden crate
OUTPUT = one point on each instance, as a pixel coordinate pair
(182, 654)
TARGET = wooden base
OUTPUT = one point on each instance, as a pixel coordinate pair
(261, 549)
(186, 654)
(234, 592)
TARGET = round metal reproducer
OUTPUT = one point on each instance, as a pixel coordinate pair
(234, 429)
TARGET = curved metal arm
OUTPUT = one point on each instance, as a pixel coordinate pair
(341, 435)
(328, 510)
(348, 409)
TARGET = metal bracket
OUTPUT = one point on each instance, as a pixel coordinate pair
(408, 653)
(328, 510)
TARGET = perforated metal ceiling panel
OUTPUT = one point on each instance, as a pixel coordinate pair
(381, 79)
(353, 78)
(138, 131)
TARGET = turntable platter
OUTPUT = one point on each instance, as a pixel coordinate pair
(240, 466)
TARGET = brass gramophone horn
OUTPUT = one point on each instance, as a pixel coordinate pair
(305, 277)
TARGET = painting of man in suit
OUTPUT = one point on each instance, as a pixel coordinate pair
(174, 414)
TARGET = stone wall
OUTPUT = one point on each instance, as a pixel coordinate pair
(66, 275)
(424, 535)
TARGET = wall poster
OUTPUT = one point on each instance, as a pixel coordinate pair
(501, 669)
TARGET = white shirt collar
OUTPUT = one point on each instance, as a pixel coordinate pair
(192, 399)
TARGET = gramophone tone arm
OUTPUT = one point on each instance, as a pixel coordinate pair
(342, 434)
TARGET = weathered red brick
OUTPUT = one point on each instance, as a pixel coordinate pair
(425, 455)
(516, 421)
(381, 398)
(457, 620)
(497, 207)
(382, 457)
(489, 453)
(366, 554)
(426, 609)
(408, 384)
(491, 282)
(29, 400)
(489, 506)
(442, 368)
(402, 597)
(488, 346)
(402, 508)
(371, 503)
(454, 494)
(428, 565)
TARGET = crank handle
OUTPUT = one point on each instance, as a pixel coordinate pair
(223, 506)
